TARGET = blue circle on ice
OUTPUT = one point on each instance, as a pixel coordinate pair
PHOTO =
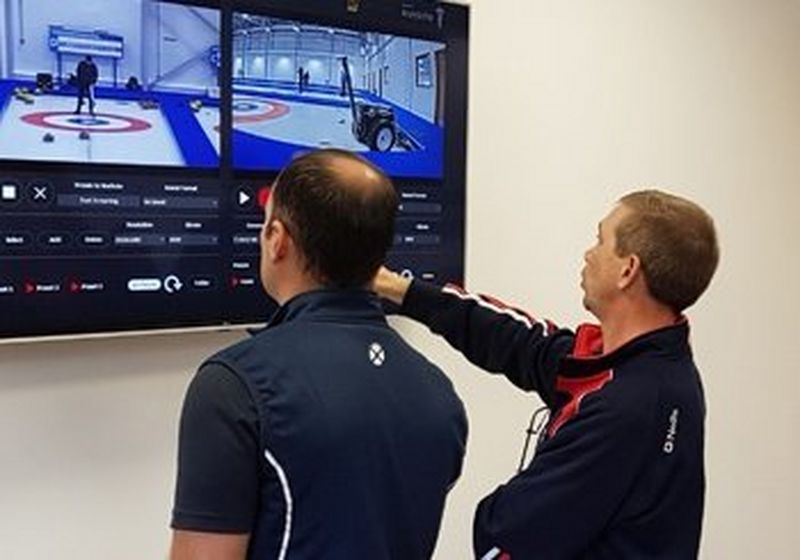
(244, 106)
(88, 121)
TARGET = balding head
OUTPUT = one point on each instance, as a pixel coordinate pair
(353, 171)
(340, 210)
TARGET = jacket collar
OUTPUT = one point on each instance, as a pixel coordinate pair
(351, 305)
(588, 357)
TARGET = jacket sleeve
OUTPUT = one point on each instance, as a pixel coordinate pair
(217, 485)
(491, 335)
(561, 503)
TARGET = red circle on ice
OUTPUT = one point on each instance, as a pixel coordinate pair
(244, 110)
(101, 122)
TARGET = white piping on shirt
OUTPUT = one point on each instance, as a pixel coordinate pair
(287, 496)
(513, 313)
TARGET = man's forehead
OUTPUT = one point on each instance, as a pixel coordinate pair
(610, 221)
(617, 212)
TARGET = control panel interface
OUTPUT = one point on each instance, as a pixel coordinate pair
(139, 140)
(109, 252)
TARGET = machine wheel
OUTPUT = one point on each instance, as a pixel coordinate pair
(383, 137)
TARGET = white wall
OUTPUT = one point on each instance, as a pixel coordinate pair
(400, 83)
(120, 17)
(87, 440)
(175, 45)
(154, 45)
(698, 97)
(277, 55)
(4, 41)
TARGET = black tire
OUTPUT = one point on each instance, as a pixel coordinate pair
(382, 137)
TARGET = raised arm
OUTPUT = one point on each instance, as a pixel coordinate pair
(491, 335)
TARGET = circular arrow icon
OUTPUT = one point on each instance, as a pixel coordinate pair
(172, 284)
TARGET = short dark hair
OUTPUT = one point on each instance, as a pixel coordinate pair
(676, 242)
(342, 226)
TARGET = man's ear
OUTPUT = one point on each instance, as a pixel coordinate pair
(276, 240)
(630, 273)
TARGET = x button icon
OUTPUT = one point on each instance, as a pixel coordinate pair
(40, 192)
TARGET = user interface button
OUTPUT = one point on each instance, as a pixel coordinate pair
(144, 285)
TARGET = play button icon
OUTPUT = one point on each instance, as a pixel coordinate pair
(244, 197)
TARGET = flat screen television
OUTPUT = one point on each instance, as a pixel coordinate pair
(301, 85)
(138, 139)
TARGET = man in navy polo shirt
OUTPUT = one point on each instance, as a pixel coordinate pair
(324, 436)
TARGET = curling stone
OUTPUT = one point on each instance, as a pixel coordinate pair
(84, 135)
(48, 138)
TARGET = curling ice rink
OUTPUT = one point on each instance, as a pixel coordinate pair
(121, 132)
(302, 124)
(306, 124)
(309, 124)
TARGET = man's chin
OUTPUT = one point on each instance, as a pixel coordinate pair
(266, 285)
(587, 305)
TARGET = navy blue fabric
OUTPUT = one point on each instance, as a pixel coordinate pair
(357, 429)
(619, 473)
(216, 487)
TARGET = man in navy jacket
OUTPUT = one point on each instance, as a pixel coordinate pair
(86, 76)
(619, 470)
(324, 436)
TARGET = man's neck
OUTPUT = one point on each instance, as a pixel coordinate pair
(294, 287)
(621, 327)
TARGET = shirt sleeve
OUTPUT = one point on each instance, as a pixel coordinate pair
(559, 505)
(217, 486)
(493, 336)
